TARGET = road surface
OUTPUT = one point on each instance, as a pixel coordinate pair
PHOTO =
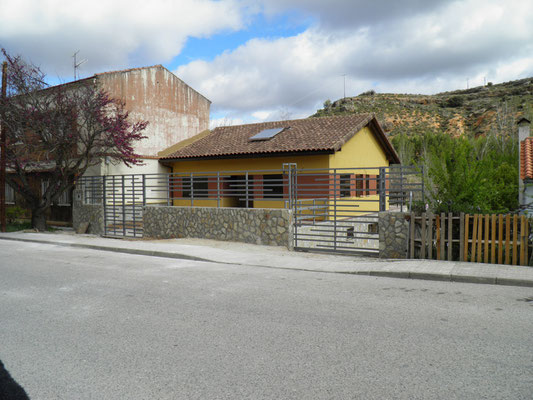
(86, 324)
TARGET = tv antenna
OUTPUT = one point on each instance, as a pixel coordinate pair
(77, 65)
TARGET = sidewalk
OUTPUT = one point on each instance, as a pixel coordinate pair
(280, 257)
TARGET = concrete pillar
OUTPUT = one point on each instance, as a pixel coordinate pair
(523, 133)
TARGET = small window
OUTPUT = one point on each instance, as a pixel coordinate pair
(200, 187)
(345, 185)
(350, 232)
(273, 186)
(10, 195)
(63, 200)
(92, 190)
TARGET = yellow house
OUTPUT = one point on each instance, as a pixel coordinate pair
(341, 156)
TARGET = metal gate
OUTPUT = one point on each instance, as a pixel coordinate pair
(123, 205)
(336, 210)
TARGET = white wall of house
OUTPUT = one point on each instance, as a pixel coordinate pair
(153, 171)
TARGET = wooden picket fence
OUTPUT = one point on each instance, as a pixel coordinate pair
(502, 239)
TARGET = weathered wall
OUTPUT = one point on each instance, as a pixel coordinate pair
(174, 110)
(393, 235)
(93, 214)
(252, 225)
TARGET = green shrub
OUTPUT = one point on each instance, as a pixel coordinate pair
(14, 213)
(472, 175)
(454, 101)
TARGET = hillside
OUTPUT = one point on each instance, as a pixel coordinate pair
(474, 111)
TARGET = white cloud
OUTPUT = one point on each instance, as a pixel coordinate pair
(110, 34)
(261, 115)
(414, 46)
(436, 48)
(224, 121)
(347, 14)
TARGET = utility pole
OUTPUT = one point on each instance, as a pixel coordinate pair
(344, 76)
(3, 156)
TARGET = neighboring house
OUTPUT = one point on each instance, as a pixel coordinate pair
(60, 212)
(173, 109)
(353, 141)
(525, 184)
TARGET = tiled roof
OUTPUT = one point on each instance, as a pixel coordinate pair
(325, 134)
(526, 158)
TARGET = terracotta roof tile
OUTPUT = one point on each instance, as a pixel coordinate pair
(302, 135)
(526, 158)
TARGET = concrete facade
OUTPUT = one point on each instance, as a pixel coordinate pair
(175, 111)
(90, 213)
(525, 183)
(258, 226)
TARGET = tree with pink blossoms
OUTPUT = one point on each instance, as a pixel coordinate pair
(56, 133)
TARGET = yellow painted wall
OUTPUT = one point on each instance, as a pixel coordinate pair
(246, 164)
(362, 150)
(224, 202)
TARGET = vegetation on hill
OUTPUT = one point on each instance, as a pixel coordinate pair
(466, 140)
(476, 111)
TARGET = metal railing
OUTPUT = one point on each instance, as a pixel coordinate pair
(339, 204)
(397, 186)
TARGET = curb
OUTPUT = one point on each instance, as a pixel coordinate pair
(386, 274)
(115, 249)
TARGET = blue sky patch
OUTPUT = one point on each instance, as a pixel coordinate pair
(207, 49)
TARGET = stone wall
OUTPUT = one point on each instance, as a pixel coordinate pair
(393, 235)
(92, 214)
(252, 225)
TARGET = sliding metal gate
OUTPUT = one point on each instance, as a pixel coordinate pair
(336, 210)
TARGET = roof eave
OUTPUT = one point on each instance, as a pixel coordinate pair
(250, 155)
(392, 156)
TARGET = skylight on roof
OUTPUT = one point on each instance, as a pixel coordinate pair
(266, 134)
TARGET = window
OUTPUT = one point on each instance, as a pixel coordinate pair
(359, 185)
(63, 200)
(10, 195)
(367, 184)
(92, 190)
(200, 188)
(273, 186)
(345, 185)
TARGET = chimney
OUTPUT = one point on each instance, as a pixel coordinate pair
(523, 129)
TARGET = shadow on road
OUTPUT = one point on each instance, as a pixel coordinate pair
(9, 388)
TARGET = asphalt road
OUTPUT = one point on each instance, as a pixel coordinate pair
(85, 324)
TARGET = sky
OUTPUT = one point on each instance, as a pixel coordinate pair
(264, 60)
